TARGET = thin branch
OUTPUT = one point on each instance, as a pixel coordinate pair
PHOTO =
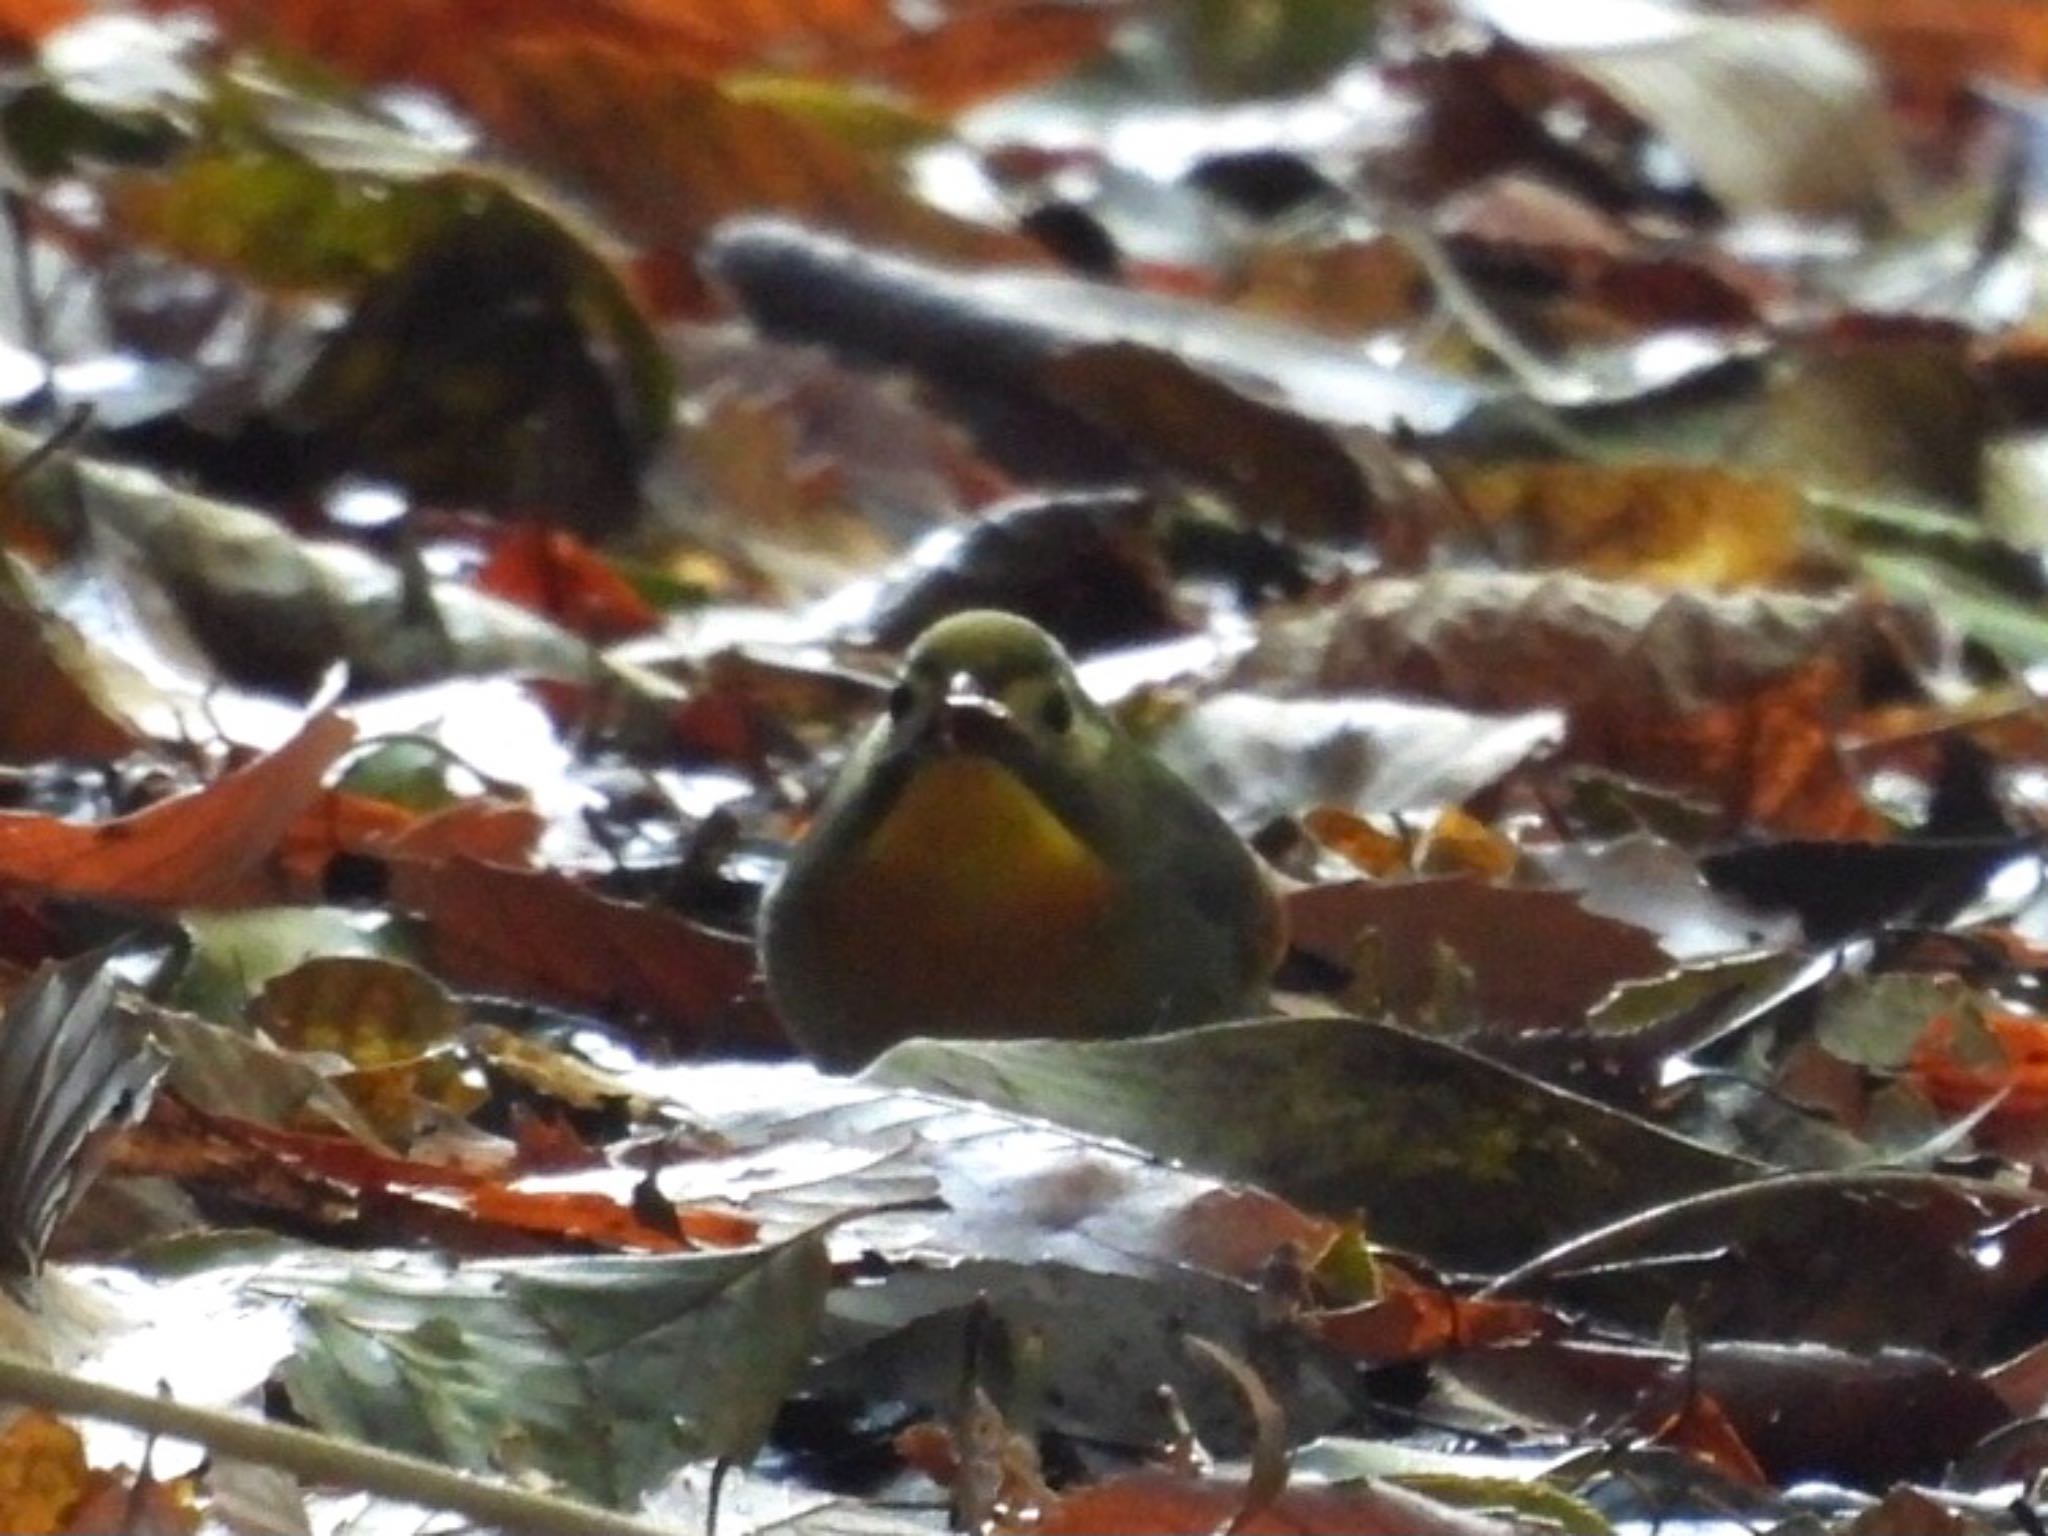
(316, 1458)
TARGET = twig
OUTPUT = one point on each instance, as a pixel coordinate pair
(317, 1458)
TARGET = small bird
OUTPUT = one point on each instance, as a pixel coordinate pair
(999, 859)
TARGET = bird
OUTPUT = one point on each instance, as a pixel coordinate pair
(998, 858)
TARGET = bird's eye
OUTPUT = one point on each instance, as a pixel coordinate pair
(901, 699)
(1057, 712)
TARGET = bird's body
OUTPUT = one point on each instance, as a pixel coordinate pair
(999, 859)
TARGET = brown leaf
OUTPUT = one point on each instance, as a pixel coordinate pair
(554, 573)
(703, 153)
(1090, 567)
(968, 51)
(24, 23)
(1802, 1410)
(206, 848)
(1963, 1258)
(42, 1473)
(1275, 462)
(1165, 1505)
(1737, 696)
(1092, 380)
(338, 1183)
(1538, 958)
(1676, 523)
(339, 822)
(54, 699)
(541, 934)
(1518, 227)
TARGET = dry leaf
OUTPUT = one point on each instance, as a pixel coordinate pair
(42, 1474)
(205, 848)
(1674, 523)
(541, 934)
(1538, 959)
(950, 58)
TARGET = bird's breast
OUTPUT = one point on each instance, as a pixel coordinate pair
(970, 906)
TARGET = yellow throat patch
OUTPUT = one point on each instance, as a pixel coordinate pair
(971, 900)
(967, 830)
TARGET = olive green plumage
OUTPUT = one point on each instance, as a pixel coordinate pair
(998, 858)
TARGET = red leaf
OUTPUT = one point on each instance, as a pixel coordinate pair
(206, 848)
(553, 572)
(544, 935)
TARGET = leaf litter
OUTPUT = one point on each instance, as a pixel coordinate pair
(1560, 485)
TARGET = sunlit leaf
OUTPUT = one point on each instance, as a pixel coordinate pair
(42, 1473)
(208, 847)
(1339, 1112)
(1657, 523)
(960, 54)
(604, 1373)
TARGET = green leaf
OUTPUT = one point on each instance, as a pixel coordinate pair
(50, 132)
(1992, 591)
(235, 953)
(1464, 1159)
(604, 1373)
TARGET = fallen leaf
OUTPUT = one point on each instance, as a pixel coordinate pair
(1168, 1505)
(339, 823)
(1444, 1147)
(1778, 1413)
(209, 847)
(278, 610)
(713, 153)
(1934, 53)
(1420, 1322)
(342, 1185)
(42, 1473)
(608, 1372)
(1793, 1263)
(543, 934)
(949, 59)
(55, 693)
(1658, 523)
(76, 1067)
(1538, 959)
(552, 572)
(2015, 1087)
(1809, 136)
(1092, 379)
(1735, 695)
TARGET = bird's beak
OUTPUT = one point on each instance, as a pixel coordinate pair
(968, 718)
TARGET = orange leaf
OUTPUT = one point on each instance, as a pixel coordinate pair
(1416, 1322)
(42, 1473)
(1935, 51)
(339, 822)
(333, 1180)
(1958, 1086)
(24, 23)
(544, 935)
(205, 848)
(552, 572)
(702, 154)
(1162, 1504)
(967, 52)
(1704, 1431)
(1770, 756)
